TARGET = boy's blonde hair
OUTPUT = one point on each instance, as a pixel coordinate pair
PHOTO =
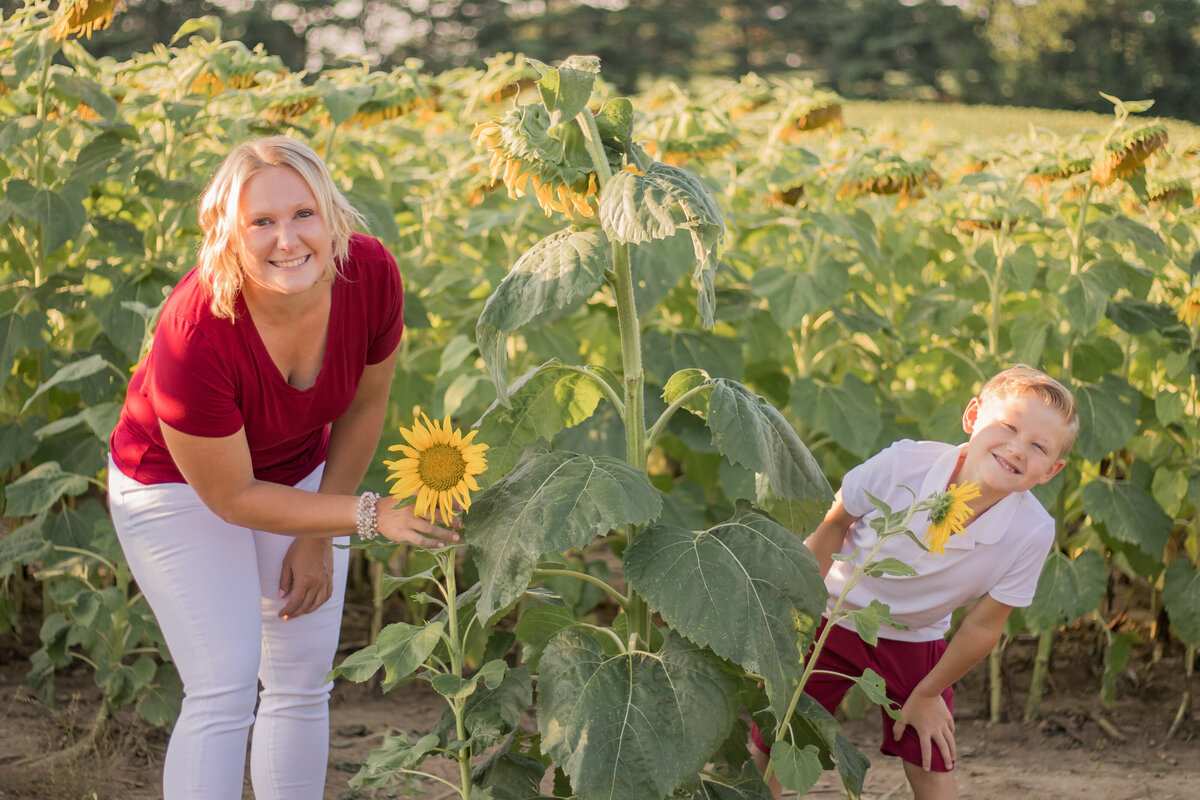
(220, 265)
(1021, 379)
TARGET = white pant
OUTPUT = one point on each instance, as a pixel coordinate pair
(214, 589)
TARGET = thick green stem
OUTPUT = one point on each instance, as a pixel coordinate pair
(1080, 224)
(635, 415)
(446, 561)
(631, 358)
(995, 685)
(376, 570)
(1041, 667)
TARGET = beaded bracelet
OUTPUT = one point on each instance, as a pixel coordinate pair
(367, 520)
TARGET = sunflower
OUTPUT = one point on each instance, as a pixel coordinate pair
(1170, 190)
(948, 512)
(439, 465)
(232, 65)
(693, 133)
(1126, 153)
(891, 175)
(525, 151)
(1059, 168)
(82, 17)
(812, 111)
(1189, 312)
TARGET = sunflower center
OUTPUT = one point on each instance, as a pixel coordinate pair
(442, 467)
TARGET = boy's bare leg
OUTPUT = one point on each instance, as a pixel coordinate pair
(930, 785)
(760, 760)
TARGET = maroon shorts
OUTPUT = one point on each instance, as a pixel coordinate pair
(902, 664)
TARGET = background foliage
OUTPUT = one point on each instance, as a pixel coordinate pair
(1050, 54)
(871, 278)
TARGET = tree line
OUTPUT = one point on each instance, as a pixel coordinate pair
(1050, 53)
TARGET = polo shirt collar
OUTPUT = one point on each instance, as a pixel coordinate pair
(990, 525)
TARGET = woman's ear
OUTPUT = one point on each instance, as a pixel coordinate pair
(970, 415)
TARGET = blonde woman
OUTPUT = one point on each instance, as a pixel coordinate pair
(236, 464)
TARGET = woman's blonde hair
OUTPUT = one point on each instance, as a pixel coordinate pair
(220, 203)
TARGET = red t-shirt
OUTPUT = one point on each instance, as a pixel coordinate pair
(208, 376)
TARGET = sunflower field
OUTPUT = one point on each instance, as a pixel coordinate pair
(675, 319)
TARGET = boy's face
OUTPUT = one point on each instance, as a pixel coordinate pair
(1015, 443)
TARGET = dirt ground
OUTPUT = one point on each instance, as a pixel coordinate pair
(1079, 750)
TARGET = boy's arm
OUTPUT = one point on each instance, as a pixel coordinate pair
(827, 539)
(925, 709)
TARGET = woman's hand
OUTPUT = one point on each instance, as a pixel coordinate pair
(402, 526)
(306, 579)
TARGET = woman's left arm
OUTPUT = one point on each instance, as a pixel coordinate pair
(307, 576)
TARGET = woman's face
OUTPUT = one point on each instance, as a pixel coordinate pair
(286, 244)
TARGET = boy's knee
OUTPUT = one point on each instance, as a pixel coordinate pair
(930, 785)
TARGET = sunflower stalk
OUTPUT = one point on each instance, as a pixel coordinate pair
(636, 447)
(446, 562)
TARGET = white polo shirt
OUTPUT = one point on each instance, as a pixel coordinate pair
(1000, 553)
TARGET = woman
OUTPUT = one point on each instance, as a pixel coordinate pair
(234, 466)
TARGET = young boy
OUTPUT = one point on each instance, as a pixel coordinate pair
(1021, 426)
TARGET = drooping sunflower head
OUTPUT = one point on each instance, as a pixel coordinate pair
(439, 466)
(526, 151)
(393, 94)
(232, 65)
(1166, 191)
(948, 512)
(288, 101)
(1126, 152)
(1059, 167)
(82, 17)
(751, 93)
(812, 111)
(891, 175)
(692, 133)
(1189, 310)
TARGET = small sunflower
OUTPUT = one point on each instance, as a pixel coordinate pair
(1126, 153)
(948, 512)
(82, 17)
(1189, 311)
(439, 465)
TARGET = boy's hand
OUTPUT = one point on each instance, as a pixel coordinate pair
(934, 724)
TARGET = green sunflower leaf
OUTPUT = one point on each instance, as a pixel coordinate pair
(747, 588)
(541, 403)
(635, 724)
(551, 278)
(1129, 514)
(1108, 416)
(550, 502)
(661, 203)
(797, 769)
(1067, 589)
(1181, 599)
(567, 89)
(749, 431)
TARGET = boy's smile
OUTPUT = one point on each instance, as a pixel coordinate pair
(1015, 445)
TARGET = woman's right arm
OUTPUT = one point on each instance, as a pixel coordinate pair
(220, 471)
(829, 536)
